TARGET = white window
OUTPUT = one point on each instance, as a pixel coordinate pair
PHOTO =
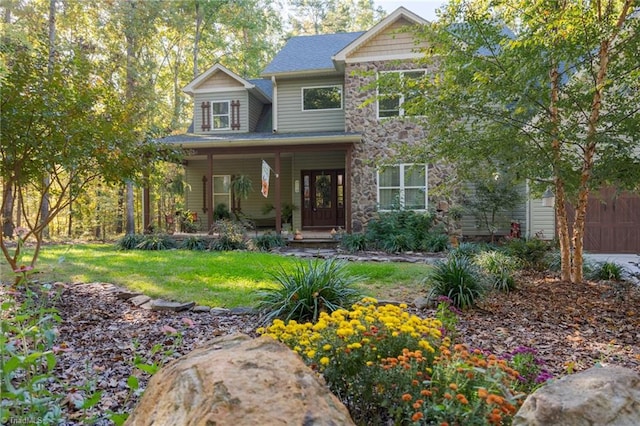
(394, 89)
(402, 186)
(321, 97)
(222, 191)
(220, 115)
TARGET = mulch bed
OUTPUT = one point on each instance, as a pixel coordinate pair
(572, 326)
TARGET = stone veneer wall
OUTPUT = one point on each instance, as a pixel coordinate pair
(377, 145)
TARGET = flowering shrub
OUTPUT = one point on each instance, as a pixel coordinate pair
(388, 365)
(532, 372)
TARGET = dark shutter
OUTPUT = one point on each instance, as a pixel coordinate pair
(235, 115)
(206, 116)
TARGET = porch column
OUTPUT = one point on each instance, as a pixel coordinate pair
(209, 191)
(347, 189)
(146, 203)
(278, 199)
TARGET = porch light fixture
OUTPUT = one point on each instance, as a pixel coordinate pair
(548, 198)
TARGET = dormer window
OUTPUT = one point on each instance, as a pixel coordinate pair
(220, 115)
(321, 97)
(394, 89)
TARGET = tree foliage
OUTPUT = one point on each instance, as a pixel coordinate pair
(550, 89)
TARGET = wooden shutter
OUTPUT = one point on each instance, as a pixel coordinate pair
(235, 115)
(206, 116)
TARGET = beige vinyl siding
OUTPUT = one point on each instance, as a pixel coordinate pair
(393, 41)
(519, 214)
(255, 109)
(218, 81)
(252, 206)
(542, 220)
(291, 118)
(232, 95)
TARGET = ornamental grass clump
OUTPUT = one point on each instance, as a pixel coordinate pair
(457, 278)
(313, 287)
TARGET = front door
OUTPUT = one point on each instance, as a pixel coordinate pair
(323, 198)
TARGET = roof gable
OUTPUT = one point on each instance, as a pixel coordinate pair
(387, 31)
(219, 78)
(211, 79)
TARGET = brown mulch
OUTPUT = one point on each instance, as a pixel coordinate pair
(572, 326)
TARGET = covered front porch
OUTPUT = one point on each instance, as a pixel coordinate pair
(308, 187)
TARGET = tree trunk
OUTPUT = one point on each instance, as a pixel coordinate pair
(560, 206)
(130, 216)
(44, 209)
(120, 213)
(196, 39)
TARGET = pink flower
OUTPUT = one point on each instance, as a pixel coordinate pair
(167, 329)
(188, 322)
(23, 269)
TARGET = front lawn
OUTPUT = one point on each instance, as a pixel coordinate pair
(226, 279)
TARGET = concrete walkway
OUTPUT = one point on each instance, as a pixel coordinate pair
(631, 263)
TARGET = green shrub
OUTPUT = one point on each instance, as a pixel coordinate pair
(269, 241)
(400, 230)
(231, 236)
(458, 279)
(313, 287)
(221, 212)
(156, 242)
(435, 242)
(532, 252)
(499, 267)
(129, 241)
(353, 242)
(194, 243)
(609, 271)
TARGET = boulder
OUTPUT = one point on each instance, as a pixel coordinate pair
(598, 396)
(236, 380)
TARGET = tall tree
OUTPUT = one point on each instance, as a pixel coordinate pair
(332, 16)
(549, 88)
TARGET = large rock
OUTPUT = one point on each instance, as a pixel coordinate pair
(236, 380)
(598, 396)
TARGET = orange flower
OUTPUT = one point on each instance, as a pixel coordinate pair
(497, 399)
(453, 386)
(425, 392)
(417, 405)
(406, 397)
(482, 393)
(463, 399)
(416, 417)
(447, 395)
(414, 382)
(444, 424)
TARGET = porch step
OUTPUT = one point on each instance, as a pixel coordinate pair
(319, 243)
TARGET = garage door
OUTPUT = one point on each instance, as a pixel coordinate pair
(613, 222)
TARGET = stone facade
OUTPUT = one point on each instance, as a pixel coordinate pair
(381, 143)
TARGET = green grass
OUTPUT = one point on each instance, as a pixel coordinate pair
(227, 279)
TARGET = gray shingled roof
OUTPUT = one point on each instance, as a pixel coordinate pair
(264, 85)
(309, 53)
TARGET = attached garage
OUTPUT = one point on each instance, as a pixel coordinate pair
(613, 222)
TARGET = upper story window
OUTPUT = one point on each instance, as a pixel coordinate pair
(220, 115)
(394, 89)
(402, 186)
(322, 97)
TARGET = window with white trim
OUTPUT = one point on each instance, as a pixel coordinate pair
(321, 97)
(402, 186)
(222, 191)
(220, 115)
(394, 89)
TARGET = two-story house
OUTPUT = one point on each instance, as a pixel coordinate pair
(316, 119)
(329, 140)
